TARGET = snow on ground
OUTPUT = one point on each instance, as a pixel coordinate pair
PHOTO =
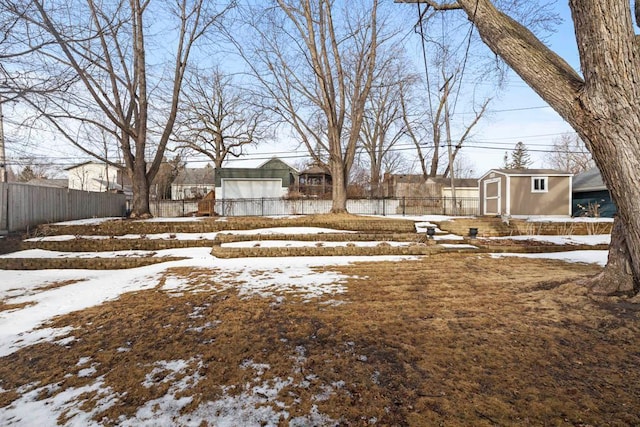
(251, 276)
(595, 239)
(300, 244)
(286, 230)
(544, 218)
(50, 293)
(458, 246)
(89, 221)
(421, 218)
(447, 237)
(173, 219)
(158, 236)
(257, 404)
(42, 253)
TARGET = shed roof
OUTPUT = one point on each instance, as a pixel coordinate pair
(528, 172)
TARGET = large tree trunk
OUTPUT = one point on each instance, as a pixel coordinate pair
(140, 187)
(617, 277)
(376, 189)
(339, 188)
(602, 105)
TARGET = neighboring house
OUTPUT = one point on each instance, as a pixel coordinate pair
(525, 192)
(590, 196)
(193, 183)
(416, 186)
(271, 179)
(315, 181)
(94, 176)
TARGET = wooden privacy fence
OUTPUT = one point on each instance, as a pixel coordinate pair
(24, 205)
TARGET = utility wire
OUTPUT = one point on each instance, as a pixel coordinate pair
(466, 53)
(424, 55)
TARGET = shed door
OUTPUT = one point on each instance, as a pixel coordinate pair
(492, 193)
(251, 189)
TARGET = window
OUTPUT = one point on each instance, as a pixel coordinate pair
(539, 185)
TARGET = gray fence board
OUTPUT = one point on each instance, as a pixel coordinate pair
(279, 207)
(4, 187)
(25, 206)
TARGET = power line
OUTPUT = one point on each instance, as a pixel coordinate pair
(466, 53)
(70, 161)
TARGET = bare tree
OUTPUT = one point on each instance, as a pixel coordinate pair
(219, 119)
(316, 61)
(105, 44)
(463, 168)
(19, 74)
(382, 127)
(169, 170)
(430, 115)
(601, 103)
(431, 131)
(569, 154)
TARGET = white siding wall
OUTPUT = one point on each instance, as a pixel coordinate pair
(92, 177)
(251, 189)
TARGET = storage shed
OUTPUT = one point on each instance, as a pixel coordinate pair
(525, 192)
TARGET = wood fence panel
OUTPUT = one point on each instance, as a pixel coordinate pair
(4, 187)
(27, 205)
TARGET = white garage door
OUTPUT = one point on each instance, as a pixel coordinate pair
(251, 189)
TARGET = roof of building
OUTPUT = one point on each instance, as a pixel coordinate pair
(528, 172)
(590, 180)
(419, 178)
(533, 172)
(276, 163)
(43, 182)
(195, 176)
(316, 169)
(458, 182)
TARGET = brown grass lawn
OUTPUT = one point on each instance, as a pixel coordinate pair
(450, 339)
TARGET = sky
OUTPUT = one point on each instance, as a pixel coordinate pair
(531, 120)
(309, 277)
(515, 114)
